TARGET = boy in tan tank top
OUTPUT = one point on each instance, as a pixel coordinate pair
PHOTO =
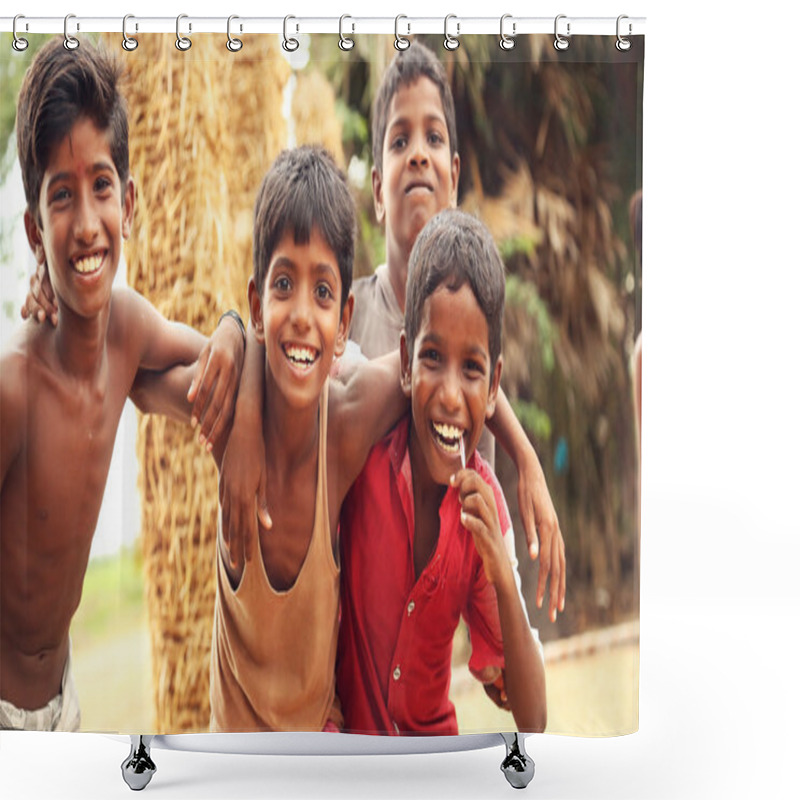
(276, 616)
(306, 439)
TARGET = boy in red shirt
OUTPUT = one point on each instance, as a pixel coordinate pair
(426, 536)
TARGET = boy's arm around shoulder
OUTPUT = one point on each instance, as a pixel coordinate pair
(180, 372)
(539, 519)
(366, 403)
(151, 341)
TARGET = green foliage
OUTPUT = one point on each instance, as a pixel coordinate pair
(523, 294)
(355, 130)
(12, 70)
(534, 419)
(517, 245)
(113, 592)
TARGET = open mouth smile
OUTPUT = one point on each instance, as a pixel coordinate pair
(301, 357)
(88, 263)
(448, 437)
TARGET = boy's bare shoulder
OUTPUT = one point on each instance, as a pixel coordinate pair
(130, 320)
(126, 308)
(21, 364)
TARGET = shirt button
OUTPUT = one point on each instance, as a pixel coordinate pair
(410, 607)
(396, 673)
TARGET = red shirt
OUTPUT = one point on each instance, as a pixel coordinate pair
(396, 634)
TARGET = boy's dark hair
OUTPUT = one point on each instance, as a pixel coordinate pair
(415, 62)
(454, 248)
(60, 87)
(304, 189)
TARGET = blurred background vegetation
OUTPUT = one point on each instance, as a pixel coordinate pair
(551, 154)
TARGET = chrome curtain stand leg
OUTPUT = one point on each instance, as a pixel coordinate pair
(518, 766)
(138, 768)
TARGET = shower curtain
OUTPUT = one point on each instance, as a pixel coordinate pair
(550, 148)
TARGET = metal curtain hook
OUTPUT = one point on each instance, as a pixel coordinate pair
(344, 42)
(561, 42)
(70, 42)
(19, 44)
(623, 44)
(128, 43)
(507, 42)
(290, 44)
(400, 42)
(182, 42)
(451, 42)
(233, 44)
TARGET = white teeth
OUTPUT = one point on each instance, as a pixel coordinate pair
(449, 435)
(301, 355)
(88, 263)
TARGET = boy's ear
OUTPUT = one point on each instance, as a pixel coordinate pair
(455, 174)
(344, 325)
(256, 309)
(494, 388)
(34, 237)
(377, 195)
(128, 200)
(405, 366)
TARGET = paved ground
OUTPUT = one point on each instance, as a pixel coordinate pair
(592, 684)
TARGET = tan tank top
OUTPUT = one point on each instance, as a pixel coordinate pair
(273, 653)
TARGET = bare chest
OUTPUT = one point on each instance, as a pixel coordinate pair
(60, 476)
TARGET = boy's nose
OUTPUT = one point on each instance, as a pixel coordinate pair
(87, 223)
(418, 152)
(450, 391)
(301, 316)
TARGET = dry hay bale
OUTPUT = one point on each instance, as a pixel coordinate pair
(204, 126)
(314, 115)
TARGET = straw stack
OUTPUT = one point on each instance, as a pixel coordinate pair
(204, 126)
(314, 115)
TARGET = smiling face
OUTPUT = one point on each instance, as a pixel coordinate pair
(419, 177)
(298, 316)
(451, 382)
(84, 214)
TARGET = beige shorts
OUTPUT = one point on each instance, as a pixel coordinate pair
(62, 713)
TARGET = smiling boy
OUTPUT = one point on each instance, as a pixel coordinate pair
(277, 607)
(415, 174)
(62, 389)
(425, 541)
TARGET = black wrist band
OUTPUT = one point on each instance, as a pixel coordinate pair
(234, 315)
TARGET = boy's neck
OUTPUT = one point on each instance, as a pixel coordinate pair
(397, 265)
(80, 345)
(291, 435)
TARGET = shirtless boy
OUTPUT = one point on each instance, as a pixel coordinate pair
(62, 389)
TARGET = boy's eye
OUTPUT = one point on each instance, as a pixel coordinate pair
(282, 284)
(324, 292)
(59, 195)
(102, 183)
(429, 354)
(434, 137)
(398, 142)
(474, 368)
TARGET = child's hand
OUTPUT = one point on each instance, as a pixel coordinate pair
(479, 516)
(497, 692)
(543, 533)
(40, 302)
(242, 489)
(216, 382)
